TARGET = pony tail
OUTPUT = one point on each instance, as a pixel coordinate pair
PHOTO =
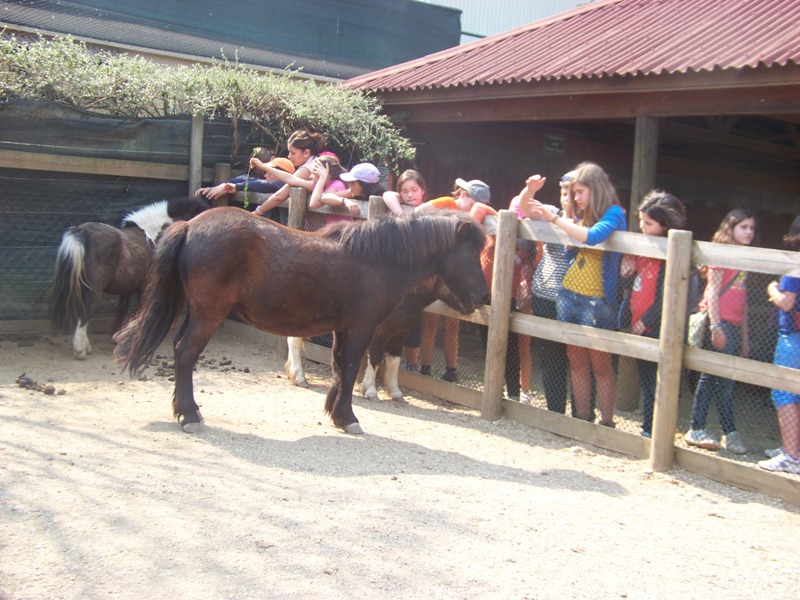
(70, 287)
(161, 304)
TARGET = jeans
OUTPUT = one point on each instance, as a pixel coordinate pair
(647, 383)
(720, 389)
(552, 360)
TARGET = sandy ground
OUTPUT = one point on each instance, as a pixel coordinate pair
(102, 496)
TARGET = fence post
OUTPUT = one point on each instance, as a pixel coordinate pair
(499, 315)
(196, 154)
(670, 348)
(376, 207)
(297, 208)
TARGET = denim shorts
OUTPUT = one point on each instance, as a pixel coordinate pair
(595, 311)
(787, 354)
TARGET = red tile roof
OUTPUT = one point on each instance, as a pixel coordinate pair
(611, 38)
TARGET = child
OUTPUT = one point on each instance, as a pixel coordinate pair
(588, 295)
(725, 299)
(362, 182)
(658, 213)
(546, 284)
(411, 191)
(303, 148)
(784, 294)
(465, 195)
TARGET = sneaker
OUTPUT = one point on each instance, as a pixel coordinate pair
(733, 443)
(701, 439)
(525, 397)
(783, 463)
(413, 368)
(450, 375)
(773, 452)
(425, 370)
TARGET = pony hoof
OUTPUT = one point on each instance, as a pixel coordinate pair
(399, 399)
(353, 428)
(79, 355)
(303, 383)
(373, 397)
(192, 427)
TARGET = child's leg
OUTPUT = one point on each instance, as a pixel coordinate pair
(606, 384)
(429, 329)
(581, 379)
(451, 327)
(525, 362)
(647, 382)
(789, 421)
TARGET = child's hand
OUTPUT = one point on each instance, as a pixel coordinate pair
(534, 183)
(639, 328)
(628, 265)
(480, 211)
(533, 209)
(353, 206)
(257, 164)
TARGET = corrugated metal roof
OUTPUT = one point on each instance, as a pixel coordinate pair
(612, 38)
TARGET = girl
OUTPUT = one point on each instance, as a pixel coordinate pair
(303, 148)
(784, 295)
(658, 213)
(725, 299)
(411, 191)
(362, 182)
(588, 294)
(465, 195)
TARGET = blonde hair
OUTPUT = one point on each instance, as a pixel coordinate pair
(603, 196)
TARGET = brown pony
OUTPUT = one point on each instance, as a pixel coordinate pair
(96, 258)
(345, 278)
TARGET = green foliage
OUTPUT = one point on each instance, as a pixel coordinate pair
(66, 71)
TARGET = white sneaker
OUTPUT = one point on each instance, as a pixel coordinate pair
(782, 463)
(525, 397)
(773, 452)
(733, 443)
(702, 439)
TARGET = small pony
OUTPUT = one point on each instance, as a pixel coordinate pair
(346, 278)
(96, 258)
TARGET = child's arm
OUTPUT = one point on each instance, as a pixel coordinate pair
(392, 202)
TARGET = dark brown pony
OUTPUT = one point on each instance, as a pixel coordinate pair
(345, 278)
(96, 258)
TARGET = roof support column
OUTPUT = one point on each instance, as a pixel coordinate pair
(645, 156)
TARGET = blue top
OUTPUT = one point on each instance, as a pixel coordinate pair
(612, 220)
(789, 322)
(256, 185)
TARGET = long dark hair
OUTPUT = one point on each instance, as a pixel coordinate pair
(724, 235)
(302, 139)
(792, 239)
(665, 209)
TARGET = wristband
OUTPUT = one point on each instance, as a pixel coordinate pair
(716, 326)
(554, 219)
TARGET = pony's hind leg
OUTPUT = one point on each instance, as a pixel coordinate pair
(123, 305)
(347, 352)
(294, 362)
(189, 343)
(369, 388)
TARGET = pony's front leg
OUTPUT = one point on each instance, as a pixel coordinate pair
(391, 375)
(123, 305)
(294, 362)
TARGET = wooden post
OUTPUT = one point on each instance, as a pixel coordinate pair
(670, 348)
(222, 173)
(645, 158)
(499, 315)
(298, 201)
(376, 207)
(196, 154)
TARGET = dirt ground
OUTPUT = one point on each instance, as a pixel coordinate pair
(102, 496)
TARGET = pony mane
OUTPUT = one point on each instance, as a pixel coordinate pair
(408, 240)
(150, 219)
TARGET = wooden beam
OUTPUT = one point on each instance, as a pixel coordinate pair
(645, 158)
(15, 159)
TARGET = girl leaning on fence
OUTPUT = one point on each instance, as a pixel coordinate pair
(783, 294)
(725, 300)
(658, 213)
(588, 294)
